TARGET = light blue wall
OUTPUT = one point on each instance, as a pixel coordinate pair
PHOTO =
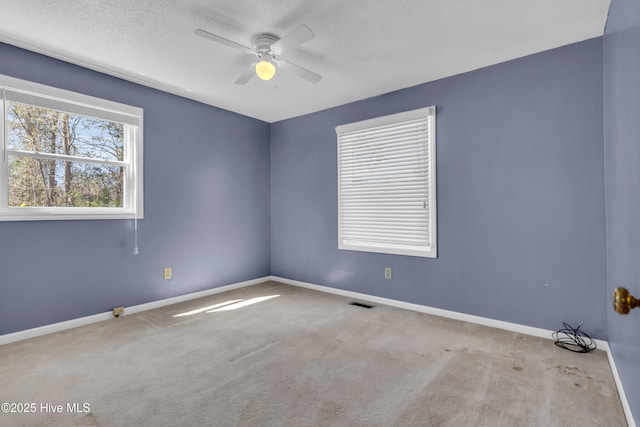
(521, 227)
(207, 211)
(622, 165)
(521, 200)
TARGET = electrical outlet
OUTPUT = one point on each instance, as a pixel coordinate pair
(387, 273)
(168, 273)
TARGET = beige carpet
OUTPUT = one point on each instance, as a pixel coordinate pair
(301, 358)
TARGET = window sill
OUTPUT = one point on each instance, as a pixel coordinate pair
(61, 214)
(390, 249)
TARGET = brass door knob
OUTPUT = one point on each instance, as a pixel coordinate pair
(623, 301)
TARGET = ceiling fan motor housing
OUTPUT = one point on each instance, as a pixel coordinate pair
(263, 43)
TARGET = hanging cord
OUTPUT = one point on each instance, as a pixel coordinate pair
(135, 220)
(135, 204)
(3, 125)
(135, 234)
(573, 339)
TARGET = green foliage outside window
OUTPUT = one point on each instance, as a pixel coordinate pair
(38, 181)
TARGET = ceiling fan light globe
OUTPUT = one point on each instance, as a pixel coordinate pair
(265, 70)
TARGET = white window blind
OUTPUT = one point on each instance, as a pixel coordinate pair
(386, 184)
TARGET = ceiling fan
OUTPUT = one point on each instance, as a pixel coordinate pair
(269, 49)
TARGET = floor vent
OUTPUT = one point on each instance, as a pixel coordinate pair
(359, 304)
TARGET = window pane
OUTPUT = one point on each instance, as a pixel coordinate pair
(49, 131)
(37, 182)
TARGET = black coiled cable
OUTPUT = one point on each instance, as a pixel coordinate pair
(573, 339)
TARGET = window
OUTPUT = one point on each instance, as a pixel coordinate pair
(67, 155)
(387, 184)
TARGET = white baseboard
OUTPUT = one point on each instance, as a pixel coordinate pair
(623, 396)
(82, 321)
(187, 297)
(53, 328)
(513, 327)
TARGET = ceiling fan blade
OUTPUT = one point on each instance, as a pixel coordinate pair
(309, 76)
(246, 76)
(295, 38)
(221, 40)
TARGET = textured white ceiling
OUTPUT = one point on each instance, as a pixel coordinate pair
(362, 48)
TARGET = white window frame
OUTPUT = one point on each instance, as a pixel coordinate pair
(360, 228)
(62, 100)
